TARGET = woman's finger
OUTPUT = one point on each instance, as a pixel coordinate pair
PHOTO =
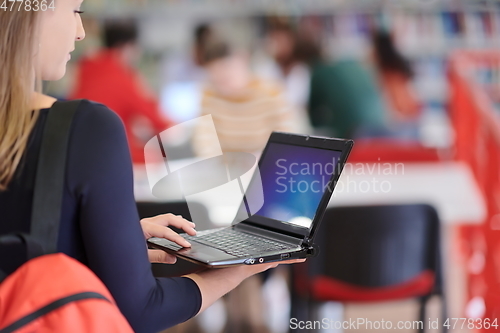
(174, 237)
(156, 230)
(181, 223)
(159, 256)
(174, 221)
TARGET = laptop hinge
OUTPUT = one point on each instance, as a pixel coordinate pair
(307, 241)
(312, 249)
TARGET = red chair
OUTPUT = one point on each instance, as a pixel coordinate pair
(372, 254)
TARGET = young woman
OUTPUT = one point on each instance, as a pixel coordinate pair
(99, 223)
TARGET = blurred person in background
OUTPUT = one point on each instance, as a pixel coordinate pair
(245, 109)
(185, 66)
(344, 100)
(338, 98)
(203, 33)
(109, 77)
(182, 78)
(286, 65)
(395, 75)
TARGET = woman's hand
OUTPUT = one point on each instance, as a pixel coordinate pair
(157, 226)
(242, 272)
(214, 283)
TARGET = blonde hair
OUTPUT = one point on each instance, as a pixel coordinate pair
(18, 47)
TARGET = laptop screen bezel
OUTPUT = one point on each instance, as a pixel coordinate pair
(342, 145)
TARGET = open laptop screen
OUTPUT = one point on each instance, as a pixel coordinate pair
(294, 179)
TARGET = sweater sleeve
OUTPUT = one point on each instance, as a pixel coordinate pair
(100, 178)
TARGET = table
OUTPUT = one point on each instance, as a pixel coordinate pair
(448, 186)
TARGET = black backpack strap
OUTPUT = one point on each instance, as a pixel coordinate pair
(33, 249)
(50, 175)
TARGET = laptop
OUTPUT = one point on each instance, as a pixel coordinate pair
(298, 174)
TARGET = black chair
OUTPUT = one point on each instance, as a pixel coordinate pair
(149, 209)
(371, 254)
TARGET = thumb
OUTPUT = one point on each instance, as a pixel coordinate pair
(159, 256)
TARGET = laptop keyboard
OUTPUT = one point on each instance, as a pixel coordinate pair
(237, 243)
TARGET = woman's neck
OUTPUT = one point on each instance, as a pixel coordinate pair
(41, 101)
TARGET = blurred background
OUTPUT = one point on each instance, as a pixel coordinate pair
(412, 81)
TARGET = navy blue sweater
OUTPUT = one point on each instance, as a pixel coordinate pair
(100, 224)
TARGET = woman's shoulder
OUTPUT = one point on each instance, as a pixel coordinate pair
(96, 123)
(90, 110)
(98, 142)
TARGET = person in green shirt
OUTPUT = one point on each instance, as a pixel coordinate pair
(344, 100)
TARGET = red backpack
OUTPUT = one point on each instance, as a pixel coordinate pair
(52, 292)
